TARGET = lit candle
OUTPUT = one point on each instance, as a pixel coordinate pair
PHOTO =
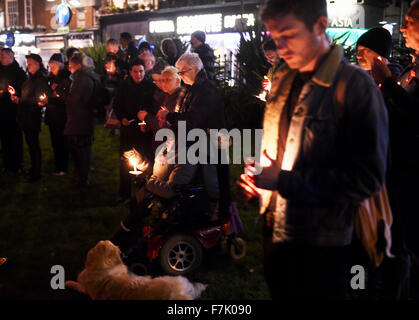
(134, 161)
(42, 97)
(11, 90)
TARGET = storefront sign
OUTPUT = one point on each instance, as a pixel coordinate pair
(81, 39)
(210, 23)
(161, 26)
(63, 14)
(346, 15)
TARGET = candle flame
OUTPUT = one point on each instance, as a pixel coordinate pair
(11, 90)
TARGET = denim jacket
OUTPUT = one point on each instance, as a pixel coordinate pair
(335, 155)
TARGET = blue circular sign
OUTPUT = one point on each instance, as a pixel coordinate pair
(10, 39)
(63, 14)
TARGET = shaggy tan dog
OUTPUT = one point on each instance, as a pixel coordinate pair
(105, 277)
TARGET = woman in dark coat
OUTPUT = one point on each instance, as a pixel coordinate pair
(33, 97)
(55, 113)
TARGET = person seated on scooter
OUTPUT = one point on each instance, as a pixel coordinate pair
(166, 178)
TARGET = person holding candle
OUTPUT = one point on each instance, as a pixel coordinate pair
(55, 113)
(12, 77)
(324, 147)
(134, 94)
(29, 115)
(403, 174)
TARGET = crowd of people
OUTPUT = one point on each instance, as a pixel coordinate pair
(334, 136)
(71, 96)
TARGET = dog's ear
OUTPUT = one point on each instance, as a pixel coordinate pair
(75, 286)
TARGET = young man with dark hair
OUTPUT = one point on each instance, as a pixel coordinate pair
(129, 51)
(325, 145)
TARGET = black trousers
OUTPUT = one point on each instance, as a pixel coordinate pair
(81, 150)
(295, 271)
(12, 144)
(60, 147)
(32, 140)
(400, 275)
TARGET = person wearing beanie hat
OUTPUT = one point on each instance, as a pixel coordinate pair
(29, 105)
(205, 52)
(376, 42)
(55, 113)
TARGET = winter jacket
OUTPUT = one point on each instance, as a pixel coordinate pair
(131, 97)
(335, 154)
(206, 53)
(29, 114)
(201, 107)
(14, 76)
(403, 106)
(55, 113)
(78, 104)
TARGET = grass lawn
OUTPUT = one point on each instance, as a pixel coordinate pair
(51, 222)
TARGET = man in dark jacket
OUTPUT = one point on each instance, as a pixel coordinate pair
(206, 53)
(11, 74)
(201, 107)
(133, 95)
(129, 51)
(79, 126)
(34, 92)
(403, 176)
(325, 140)
(55, 113)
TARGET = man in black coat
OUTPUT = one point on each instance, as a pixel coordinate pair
(79, 106)
(129, 51)
(55, 113)
(206, 53)
(202, 107)
(403, 174)
(34, 93)
(11, 74)
(133, 95)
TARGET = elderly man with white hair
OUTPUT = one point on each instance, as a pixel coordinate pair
(202, 107)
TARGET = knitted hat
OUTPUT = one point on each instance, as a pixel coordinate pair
(57, 57)
(199, 35)
(35, 57)
(378, 40)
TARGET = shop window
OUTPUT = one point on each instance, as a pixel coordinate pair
(12, 16)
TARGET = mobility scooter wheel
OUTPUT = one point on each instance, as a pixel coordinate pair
(180, 255)
(237, 248)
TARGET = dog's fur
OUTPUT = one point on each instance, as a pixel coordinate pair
(105, 277)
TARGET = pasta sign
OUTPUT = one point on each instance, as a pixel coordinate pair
(63, 14)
